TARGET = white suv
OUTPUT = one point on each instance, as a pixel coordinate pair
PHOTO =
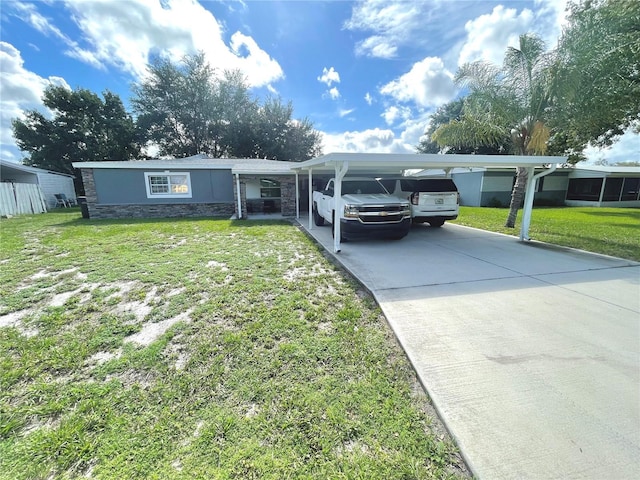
(433, 200)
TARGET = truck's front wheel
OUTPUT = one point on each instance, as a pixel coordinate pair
(317, 218)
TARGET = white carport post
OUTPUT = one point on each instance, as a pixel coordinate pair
(340, 172)
(528, 198)
(297, 197)
(239, 215)
(310, 199)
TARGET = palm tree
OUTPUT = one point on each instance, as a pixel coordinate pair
(506, 106)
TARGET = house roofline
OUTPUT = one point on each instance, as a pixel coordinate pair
(28, 169)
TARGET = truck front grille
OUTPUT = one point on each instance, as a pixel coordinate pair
(383, 213)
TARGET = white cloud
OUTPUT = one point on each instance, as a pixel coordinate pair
(28, 13)
(329, 76)
(376, 46)
(391, 22)
(20, 90)
(394, 113)
(126, 34)
(333, 93)
(428, 84)
(344, 112)
(551, 17)
(625, 149)
(365, 141)
(368, 98)
(488, 36)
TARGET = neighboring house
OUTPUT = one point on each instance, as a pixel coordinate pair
(572, 186)
(492, 187)
(49, 182)
(188, 187)
(604, 187)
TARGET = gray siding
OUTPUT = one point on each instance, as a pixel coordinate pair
(50, 184)
(127, 187)
(469, 185)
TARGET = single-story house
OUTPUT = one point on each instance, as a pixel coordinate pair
(189, 187)
(50, 182)
(604, 187)
(492, 187)
(573, 186)
(201, 186)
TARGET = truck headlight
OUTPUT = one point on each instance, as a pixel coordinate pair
(351, 211)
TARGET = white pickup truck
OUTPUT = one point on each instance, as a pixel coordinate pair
(365, 208)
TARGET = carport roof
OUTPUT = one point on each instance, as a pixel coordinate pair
(396, 162)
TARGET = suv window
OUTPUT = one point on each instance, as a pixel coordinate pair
(435, 185)
(420, 184)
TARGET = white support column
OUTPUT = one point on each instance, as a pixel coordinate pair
(528, 199)
(297, 198)
(337, 201)
(310, 199)
(604, 183)
(239, 215)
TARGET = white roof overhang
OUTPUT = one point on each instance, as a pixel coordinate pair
(236, 165)
(6, 165)
(396, 163)
(152, 165)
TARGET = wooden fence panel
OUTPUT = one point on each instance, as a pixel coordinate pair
(7, 200)
(21, 198)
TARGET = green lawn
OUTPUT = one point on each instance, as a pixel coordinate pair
(611, 231)
(199, 349)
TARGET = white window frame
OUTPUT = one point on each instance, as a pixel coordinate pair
(169, 194)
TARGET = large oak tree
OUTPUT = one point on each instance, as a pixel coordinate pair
(83, 127)
(187, 108)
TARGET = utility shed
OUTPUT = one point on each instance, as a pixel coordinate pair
(49, 182)
(379, 164)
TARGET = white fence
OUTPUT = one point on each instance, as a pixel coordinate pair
(21, 198)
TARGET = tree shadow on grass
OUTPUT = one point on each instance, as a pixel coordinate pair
(632, 213)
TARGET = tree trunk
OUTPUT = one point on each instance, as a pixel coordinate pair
(516, 197)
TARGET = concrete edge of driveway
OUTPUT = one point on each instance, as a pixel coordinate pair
(551, 246)
(335, 259)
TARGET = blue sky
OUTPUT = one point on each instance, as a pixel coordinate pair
(367, 74)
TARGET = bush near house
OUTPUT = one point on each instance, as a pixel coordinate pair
(199, 349)
(610, 231)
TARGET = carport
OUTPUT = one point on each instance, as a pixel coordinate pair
(379, 164)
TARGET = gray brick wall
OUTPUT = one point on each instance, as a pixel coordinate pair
(169, 210)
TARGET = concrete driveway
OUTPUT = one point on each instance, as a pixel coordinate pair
(530, 353)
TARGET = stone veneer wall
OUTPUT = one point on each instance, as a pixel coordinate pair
(165, 210)
(287, 192)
